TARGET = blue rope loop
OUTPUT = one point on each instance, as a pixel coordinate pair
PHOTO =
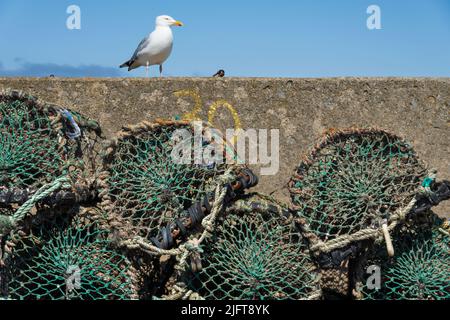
(76, 133)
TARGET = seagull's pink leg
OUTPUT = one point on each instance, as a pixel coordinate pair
(146, 70)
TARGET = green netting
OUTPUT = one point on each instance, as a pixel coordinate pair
(255, 253)
(353, 180)
(64, 258)
(43, 149)
(144, 188)
(29, 148)
(420, 269)
(41, 142)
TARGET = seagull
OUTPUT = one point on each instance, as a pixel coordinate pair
(156, 47)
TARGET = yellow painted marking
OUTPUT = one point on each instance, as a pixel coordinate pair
(194, 114)
(223, 103)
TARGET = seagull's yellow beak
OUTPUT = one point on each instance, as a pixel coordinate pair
(178, 23)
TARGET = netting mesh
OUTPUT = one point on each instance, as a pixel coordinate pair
(255, 253)
(29, 148)
(40, 143)
(48, 158)
(144, 187)
(66, 258)
(420, 269)
(353, 180)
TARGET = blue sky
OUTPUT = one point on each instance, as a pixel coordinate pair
(255, 38)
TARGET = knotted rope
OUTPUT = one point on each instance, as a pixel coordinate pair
(183, 252)
(8, 223)
(193, 245)
(368, 233)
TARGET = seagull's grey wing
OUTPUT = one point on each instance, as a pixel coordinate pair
(130, 63)
(140, 47)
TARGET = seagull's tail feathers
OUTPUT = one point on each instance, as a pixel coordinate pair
(126, 64)
(129, 64)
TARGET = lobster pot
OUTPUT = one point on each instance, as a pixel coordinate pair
(151, 175)
(255, 253)
(355, 186)
(41, 144)
(420, 269)
(66, 256)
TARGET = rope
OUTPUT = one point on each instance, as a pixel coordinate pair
(77, 131)
(181, 293)
(183, 251)
(7, 223)
(364, 234)
(207, 223)
(194, 246)
(369, 233)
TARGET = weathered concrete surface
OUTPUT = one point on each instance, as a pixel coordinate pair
(417, 109)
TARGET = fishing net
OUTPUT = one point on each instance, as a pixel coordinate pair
(254, 253)
(40, 142)
(166, 256)
(353, 182)
(155, 203)
(43, 149)
(420, 269)
(144, 186)
(65, 256)
(29, 145)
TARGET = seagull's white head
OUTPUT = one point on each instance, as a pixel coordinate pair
(167, 21)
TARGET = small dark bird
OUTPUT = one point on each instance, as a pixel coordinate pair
(220, 74)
